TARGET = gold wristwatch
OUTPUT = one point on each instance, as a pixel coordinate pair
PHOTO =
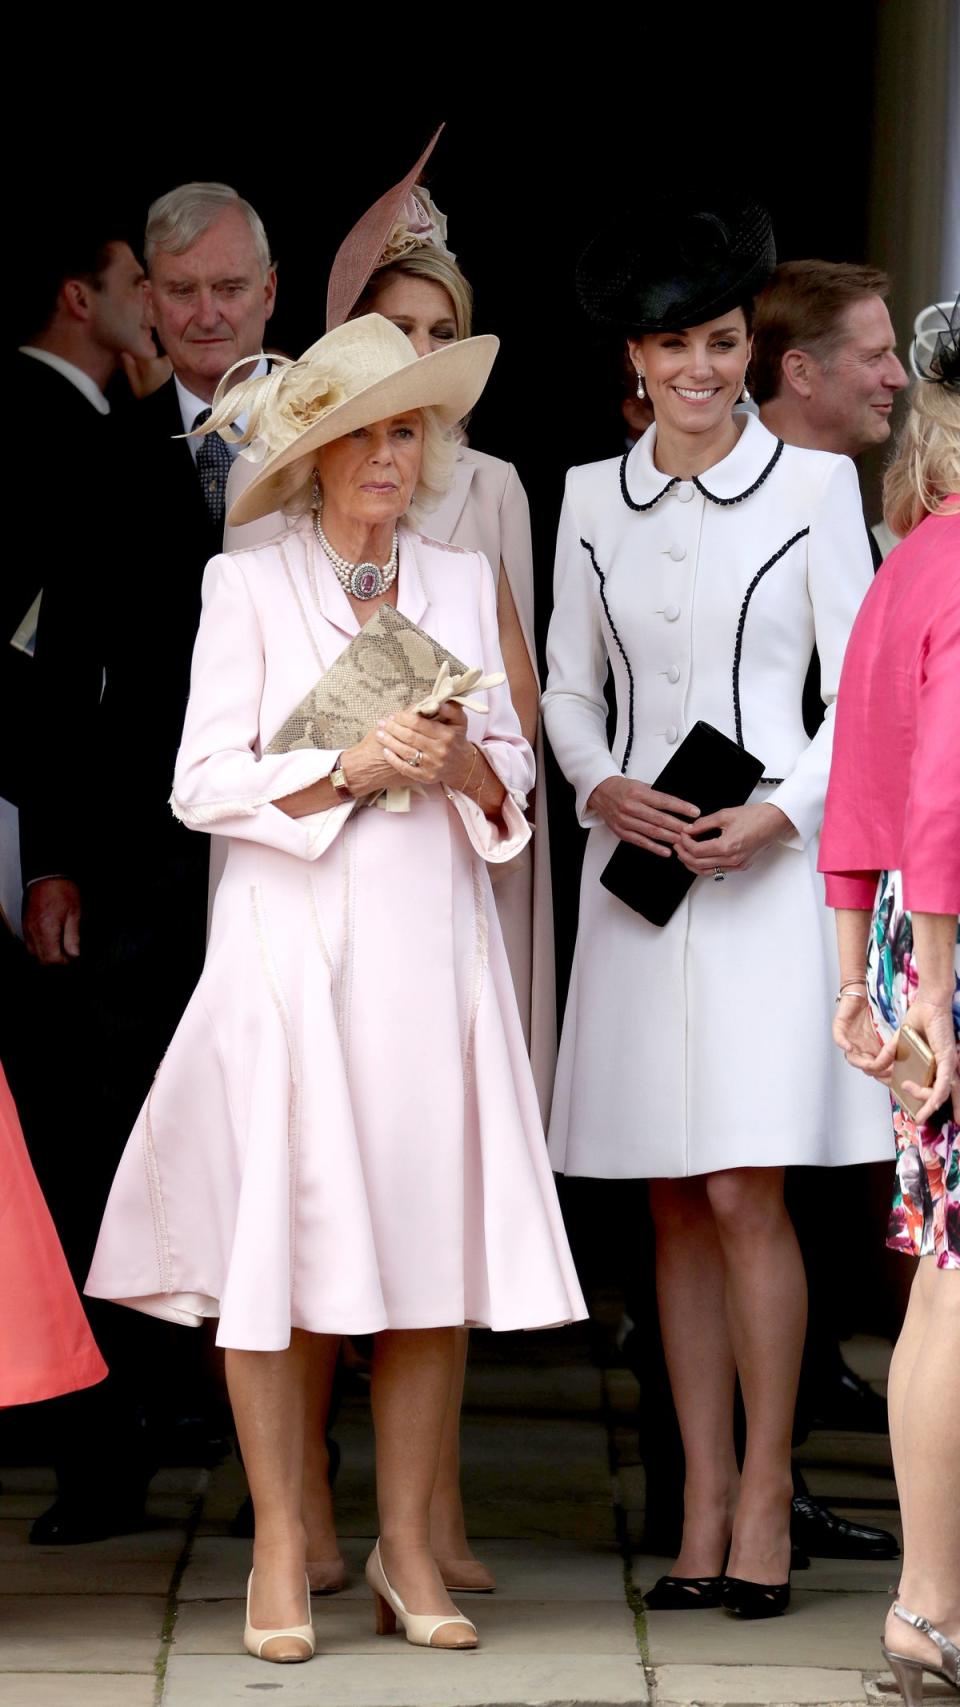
(338, 781)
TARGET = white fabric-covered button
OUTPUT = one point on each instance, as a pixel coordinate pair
(685, 491)
(678, 553)
(673, 674)
(671, 612)
(671, 732)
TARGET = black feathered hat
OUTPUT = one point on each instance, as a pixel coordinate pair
(666, 265)
(935, 351)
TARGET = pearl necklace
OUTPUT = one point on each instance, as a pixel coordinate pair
(362, 580)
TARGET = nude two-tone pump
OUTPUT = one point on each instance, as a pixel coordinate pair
(255, 1640)
(423, 1629)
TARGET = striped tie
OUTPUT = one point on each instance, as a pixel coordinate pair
(213, 467)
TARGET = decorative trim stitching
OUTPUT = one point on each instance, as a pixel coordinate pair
(738, 644)
(288, 572)
(481, 952)
(295, 1096)
(722, 503)
(622, 650)
(156, 1199)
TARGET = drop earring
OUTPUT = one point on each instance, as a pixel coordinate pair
(317, 498)
(641, 393)
(744, 395)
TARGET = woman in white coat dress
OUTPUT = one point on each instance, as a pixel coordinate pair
(343, 1137)
(699, 569)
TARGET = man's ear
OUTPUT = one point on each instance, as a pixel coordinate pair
(797, 367)
(75, 299)
(149, 309)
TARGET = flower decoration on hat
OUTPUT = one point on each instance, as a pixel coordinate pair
(278, 406)
(418, 223)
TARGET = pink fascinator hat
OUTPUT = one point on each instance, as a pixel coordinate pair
(402, 220)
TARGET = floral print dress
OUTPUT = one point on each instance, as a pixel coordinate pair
(925, 1216)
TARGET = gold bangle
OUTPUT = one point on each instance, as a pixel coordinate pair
(473, 766)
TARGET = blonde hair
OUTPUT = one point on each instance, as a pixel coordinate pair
(296, 490)
(924, 476)
(427, 262)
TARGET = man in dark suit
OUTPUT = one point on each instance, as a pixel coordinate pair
(82, 308)
(113, 881)
(825, 372)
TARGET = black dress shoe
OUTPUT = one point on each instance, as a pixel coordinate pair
(824, 1535)
(69, 1522)
(683, 1594)
(754, 1600)
(848, 1402)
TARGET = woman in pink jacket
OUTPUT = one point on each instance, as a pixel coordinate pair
(891, 854)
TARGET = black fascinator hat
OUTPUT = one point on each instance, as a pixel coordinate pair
(669, 266)
(935, 351)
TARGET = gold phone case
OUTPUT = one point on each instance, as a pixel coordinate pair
(915, 1061)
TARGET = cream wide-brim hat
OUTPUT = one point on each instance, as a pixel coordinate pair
(363, 371)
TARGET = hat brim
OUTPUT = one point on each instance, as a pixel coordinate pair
(448, 380)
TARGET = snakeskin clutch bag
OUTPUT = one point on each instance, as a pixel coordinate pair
(389, 665)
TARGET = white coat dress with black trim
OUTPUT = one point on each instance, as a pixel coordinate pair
(706, 1044)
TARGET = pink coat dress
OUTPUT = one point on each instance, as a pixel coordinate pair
(344, 1133)
(485, 510)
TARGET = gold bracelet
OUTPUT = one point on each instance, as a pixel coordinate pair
(479, 788)
(473, 766)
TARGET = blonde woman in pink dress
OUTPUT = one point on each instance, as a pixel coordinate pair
(891, 854)
(344, 1136)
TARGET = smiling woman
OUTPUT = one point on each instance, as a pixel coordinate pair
(697, 569)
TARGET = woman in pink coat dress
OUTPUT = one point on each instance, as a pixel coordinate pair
(891, 854)
(343, 1137)
(395, 262)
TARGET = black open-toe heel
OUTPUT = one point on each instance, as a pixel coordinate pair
(683, 1594)
(754, 1600)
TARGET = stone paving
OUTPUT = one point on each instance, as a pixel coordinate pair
(556, 1502)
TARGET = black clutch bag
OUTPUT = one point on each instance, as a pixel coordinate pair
(710, 771)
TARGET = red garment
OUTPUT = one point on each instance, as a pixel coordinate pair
(893, 802)
(46, 1347)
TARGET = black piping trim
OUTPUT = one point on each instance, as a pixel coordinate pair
(738, 645)
(613, 630)
(725, 503)
(626, 495)
(722, 503)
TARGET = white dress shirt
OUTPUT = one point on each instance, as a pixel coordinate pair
(190, 407)
(76, 376)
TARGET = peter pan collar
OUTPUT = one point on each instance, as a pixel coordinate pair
(740, 473)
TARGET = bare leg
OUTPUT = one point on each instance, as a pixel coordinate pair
(325, 1566)
(448, 1535)
(696, 1343)
(412, 1376)
(927, 1460)
(267, 1394)
(902, 1365)
(766, 1309)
